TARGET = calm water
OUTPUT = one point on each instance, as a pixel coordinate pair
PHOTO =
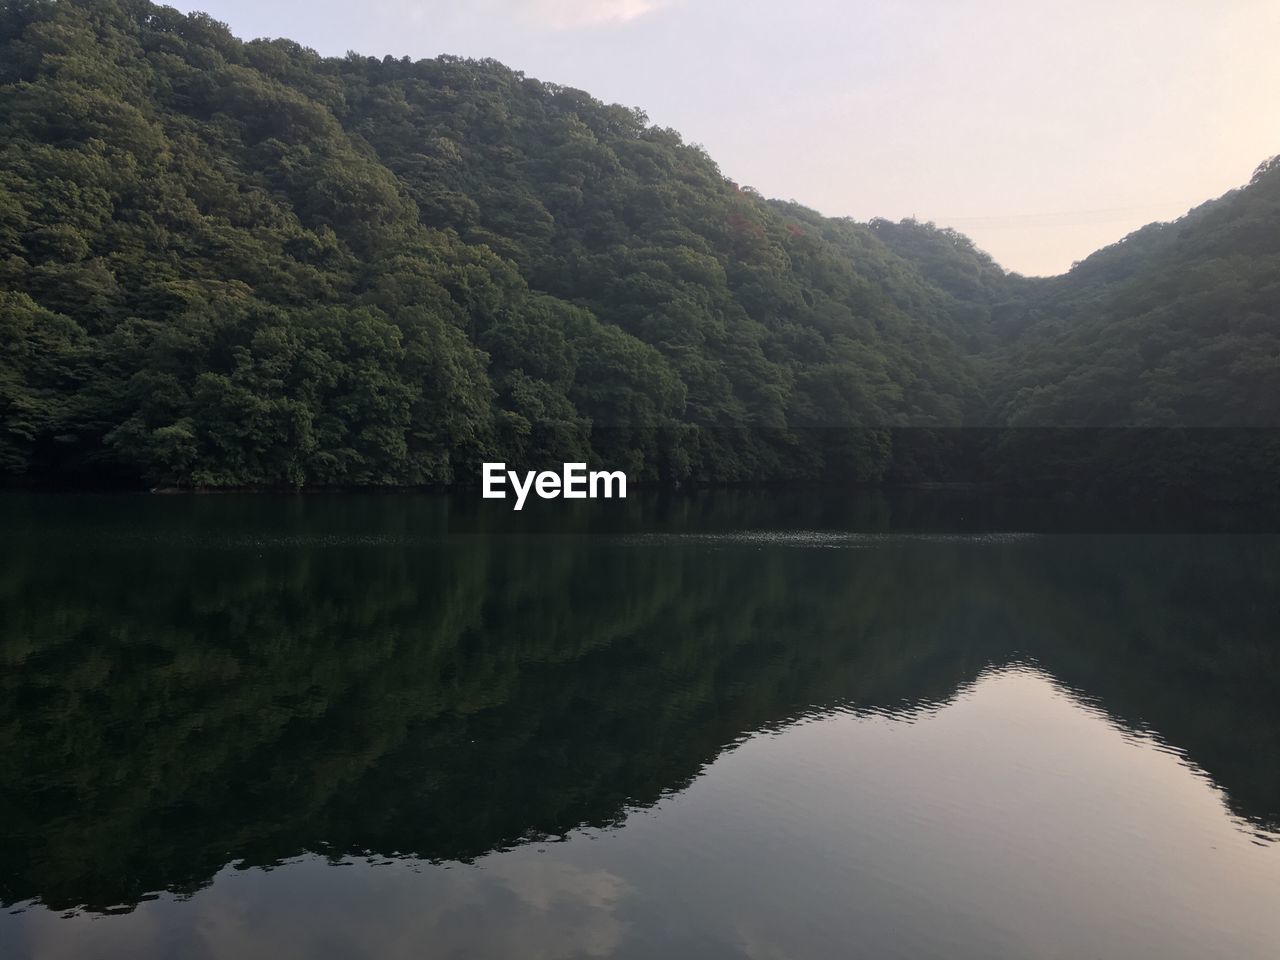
(719, 725)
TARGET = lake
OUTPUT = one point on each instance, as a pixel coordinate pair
(726, 724)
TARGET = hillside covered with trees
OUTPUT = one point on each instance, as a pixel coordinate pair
(242, 264)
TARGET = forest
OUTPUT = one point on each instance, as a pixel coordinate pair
(229, 264)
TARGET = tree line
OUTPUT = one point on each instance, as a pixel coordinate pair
(228, 264)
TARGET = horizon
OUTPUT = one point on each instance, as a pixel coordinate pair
(1046, 162)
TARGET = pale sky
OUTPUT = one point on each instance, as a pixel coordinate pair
(1043, 129)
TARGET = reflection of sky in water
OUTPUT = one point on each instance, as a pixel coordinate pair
(1015, 821)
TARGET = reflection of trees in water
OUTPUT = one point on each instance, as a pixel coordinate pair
(169, 708)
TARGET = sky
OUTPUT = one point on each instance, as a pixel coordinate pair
(1044, 129)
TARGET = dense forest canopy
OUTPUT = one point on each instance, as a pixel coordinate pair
(243, 264)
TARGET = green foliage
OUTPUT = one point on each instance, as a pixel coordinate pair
(41, 360)
(262, 267)
(1173, 326)
(243, 264)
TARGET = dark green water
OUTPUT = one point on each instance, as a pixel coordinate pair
(721, 725)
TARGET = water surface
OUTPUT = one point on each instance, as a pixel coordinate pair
(716, 725)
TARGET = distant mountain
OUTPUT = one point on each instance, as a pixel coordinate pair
(242, 264)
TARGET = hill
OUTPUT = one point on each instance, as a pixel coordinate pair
(1177, 325)
(228, 263)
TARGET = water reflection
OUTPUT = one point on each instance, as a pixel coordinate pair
(1013, 821)
(190, 684)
